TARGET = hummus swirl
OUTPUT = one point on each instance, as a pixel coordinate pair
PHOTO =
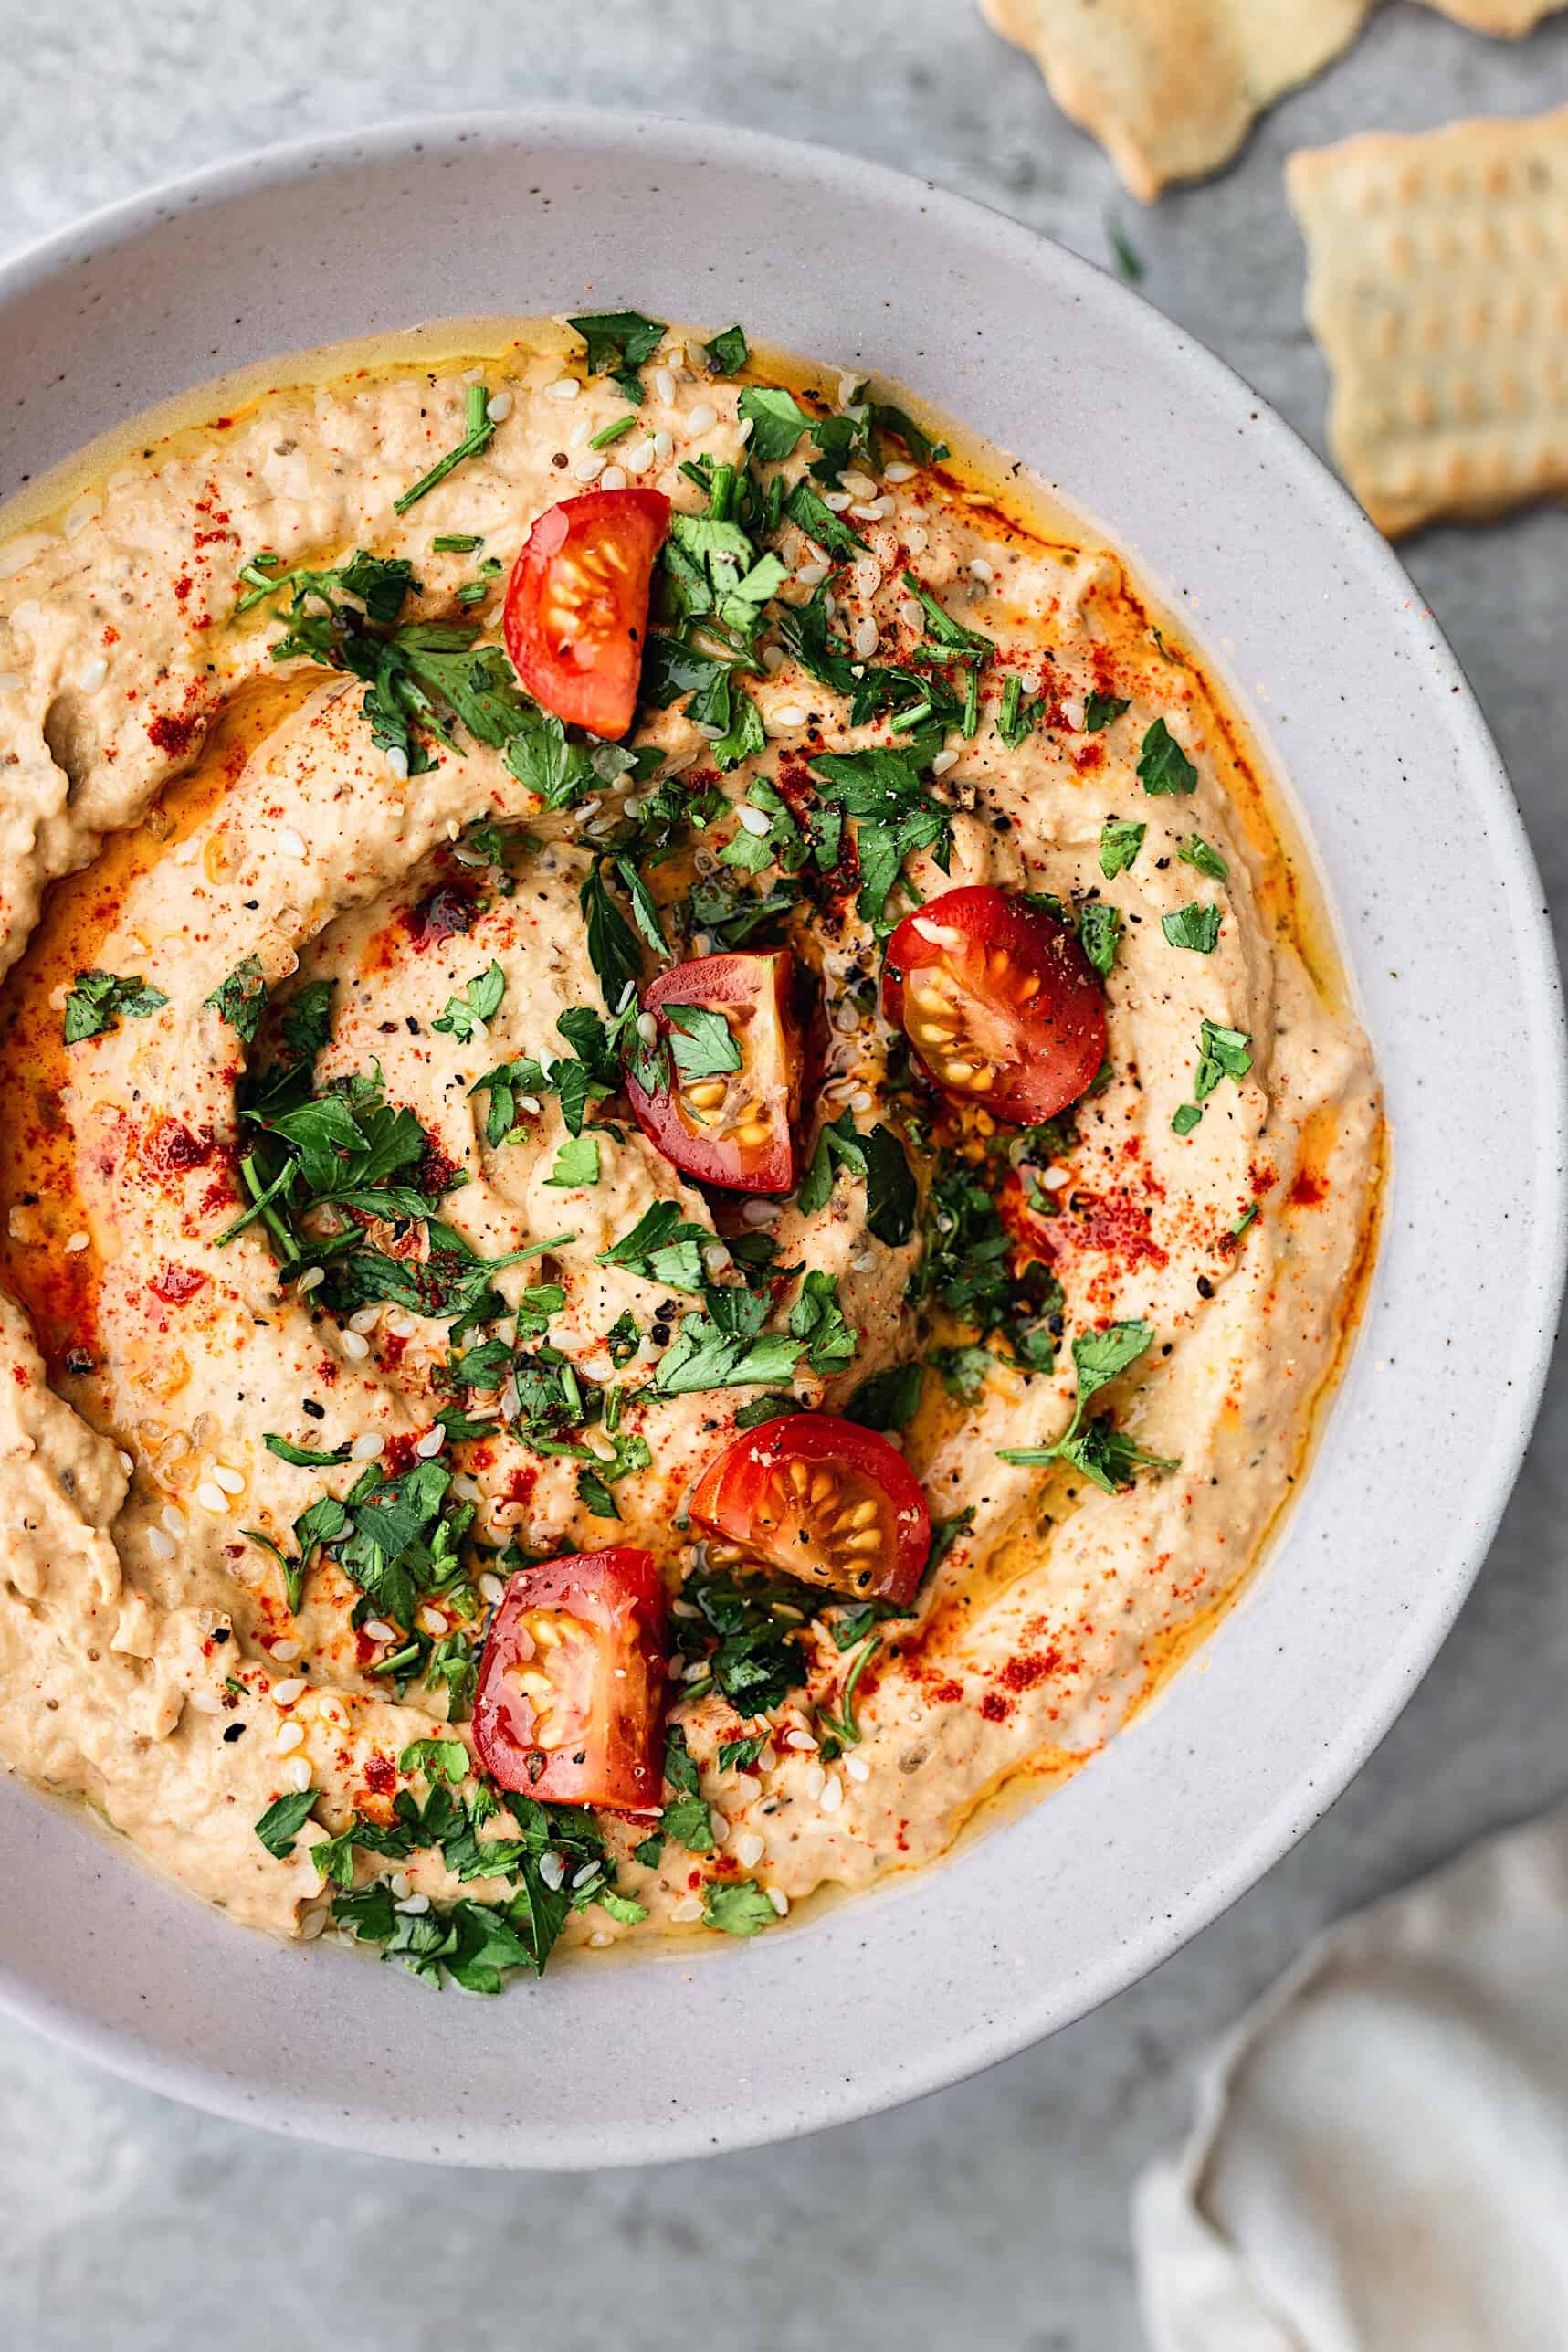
(233, 835)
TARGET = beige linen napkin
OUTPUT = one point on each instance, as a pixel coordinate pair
(1380, 2162)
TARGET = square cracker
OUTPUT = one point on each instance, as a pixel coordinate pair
(1438, 286)
(1171, 88)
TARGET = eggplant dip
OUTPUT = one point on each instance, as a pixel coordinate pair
(676, 1191)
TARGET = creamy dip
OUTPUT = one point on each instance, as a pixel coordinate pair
(268, 1471)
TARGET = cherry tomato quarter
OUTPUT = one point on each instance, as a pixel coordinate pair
(728, 1115)
(823, 1500)
(570, 1702)
(998, 1002)
(576, 618)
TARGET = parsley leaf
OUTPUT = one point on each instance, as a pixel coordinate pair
(619, 342)
(663, 1247)
(1099, 932)
(702, 1355)
(736, 1907)
(576, 1163)
(1196, 852)
(1195, 926)
(819, 522)
(1102, 1455)
(241, 999)
(728, 353)
(893, 813)
(283, 1820)
(701, 1040)
(776, 419)
(1119, 842)
(480, 998)
(1100, 711)
(817, 1319)
(880, 1158)
(1164, 767)
(887, 1400)
(97, 999)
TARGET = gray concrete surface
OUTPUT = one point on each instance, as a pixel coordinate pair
(995, 2215)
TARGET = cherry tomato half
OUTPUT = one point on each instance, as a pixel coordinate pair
(998, 1001)
(826, 1500)
(576, 605)
(571, 1693)
(736, 1126)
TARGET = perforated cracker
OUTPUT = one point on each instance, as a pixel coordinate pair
(1437, 287)
(1171, 88)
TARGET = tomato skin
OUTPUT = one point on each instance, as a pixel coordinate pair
(576, 618)
(1041, 1050)
(753, 1475)
(606, 1667)
(768, 1083)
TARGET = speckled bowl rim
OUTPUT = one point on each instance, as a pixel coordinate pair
(914, 1987)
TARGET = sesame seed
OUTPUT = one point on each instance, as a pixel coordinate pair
(867, 639)
(832, 1794)
(811, 575)
(126, 1462)
(898, 472)
(613, 477)
(589, 467)
(784, 717)
(979, 569)
(311, 1279)
(285, 1693)
(588, 1871)
(856, 1767)
(689, 1907)
(647, 1028)
(869, 510)
(695, 1670)
(292, 844)
(748, 1850)
(759, 1212)
(413, 1906)
(756, 820)
(635, 460)
(715, 1257)
(663, 445)
(837, 502)
(365, 1319)
(366, 1449)
(397, 761)
(355, 1346)
(231, 1481)
(498, 407)
(939, 935)
(206, 1702)
(296, 1773)
(401, 1883)
(312, 1923)
(664, 384)
(491, 1590)
(291, 1736)
(778, 1898)
(212, 1497)
(78, 1241)
(703, 418)
(943, 762)
(565, 387)
(93, 676)
(814, 1781)
(378, 1629)
(431, 1622)
(911, 614)
(552, 1869)
(467, 1489)
(431, 1443)
(600, 1937)
(744, 429)
(802, 1739)
(286, 1651)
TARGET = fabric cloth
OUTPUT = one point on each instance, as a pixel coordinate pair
(1380, 2160)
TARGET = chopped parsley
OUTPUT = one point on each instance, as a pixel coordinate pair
(728, 353)
(97, 1000)
(880, 1158)
(1100, 711)
(1195, 926)
(1196, 852)
(619, 342)
(480, 1001)
(241, 999)
(1102, 1454)
(1099, 932)
(1163, 766)
(1222, 1053)
(1119, 841)
(736, 1907)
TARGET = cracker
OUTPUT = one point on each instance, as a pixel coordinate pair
(1437, 287)
(1171, 88)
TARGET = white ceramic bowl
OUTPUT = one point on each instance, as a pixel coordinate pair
(1349, 682)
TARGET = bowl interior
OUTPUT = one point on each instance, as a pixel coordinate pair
(1349, 686)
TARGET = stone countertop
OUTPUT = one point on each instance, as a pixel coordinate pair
(995, 2213)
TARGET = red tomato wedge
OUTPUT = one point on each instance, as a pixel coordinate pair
(570, 1693)
(733, 1126)
(998, 1001)
(826, 1500)
(576, 605)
